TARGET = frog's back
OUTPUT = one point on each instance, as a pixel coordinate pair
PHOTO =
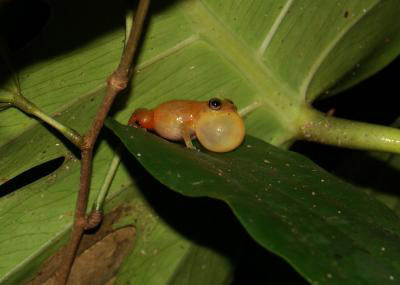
(170, 117)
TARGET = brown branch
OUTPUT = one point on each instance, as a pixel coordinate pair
(115, 84)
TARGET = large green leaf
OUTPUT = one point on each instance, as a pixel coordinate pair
(164, 254)
(310, 44)
(64, 72)
(36, 221)
(275, 53)
(271, 53)
(327, 229)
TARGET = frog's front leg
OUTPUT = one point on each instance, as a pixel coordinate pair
(186, 135)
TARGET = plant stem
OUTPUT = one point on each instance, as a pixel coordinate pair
(107, 182)
(319, 127)
(28, 107)
(115, 84)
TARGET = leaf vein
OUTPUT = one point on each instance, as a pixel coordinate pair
(328, 49)
(270, 34)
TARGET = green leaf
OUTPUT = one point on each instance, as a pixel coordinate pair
(37, 218)
(163, 255)
(46, 227)
(328, 230)
(70, 65)
(191, 50)
(64, 72)
(273, 54)
(386, 50)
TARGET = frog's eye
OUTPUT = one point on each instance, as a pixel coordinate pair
(215, 104)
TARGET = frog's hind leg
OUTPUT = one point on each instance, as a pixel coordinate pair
(187, 137)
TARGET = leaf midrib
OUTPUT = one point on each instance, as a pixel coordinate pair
(274, 94)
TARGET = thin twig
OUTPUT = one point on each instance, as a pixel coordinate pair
(116, 83)
(28, 107)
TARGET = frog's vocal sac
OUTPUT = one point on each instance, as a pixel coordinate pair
(215, 123)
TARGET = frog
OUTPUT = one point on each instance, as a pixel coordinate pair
(215, 123)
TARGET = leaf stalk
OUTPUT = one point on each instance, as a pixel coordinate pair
(322, 128)
(28, 107)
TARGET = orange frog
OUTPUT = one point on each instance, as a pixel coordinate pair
(215, 123)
